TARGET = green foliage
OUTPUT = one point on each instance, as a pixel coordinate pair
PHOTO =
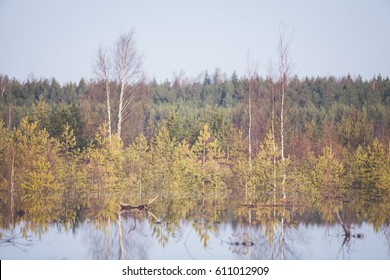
(105, 158)
(136, 163)
(267, 175)
(239, 161)
(327, 175)
(371, 170)
(186, 173)
(188, 139)
(211, 158)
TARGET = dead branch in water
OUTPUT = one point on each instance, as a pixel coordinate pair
(127, 207)
(346, 228)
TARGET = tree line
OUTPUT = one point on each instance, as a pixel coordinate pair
(344, 112)
(200, 129)
(275, 140)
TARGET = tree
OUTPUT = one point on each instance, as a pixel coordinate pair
(267, 172)
(7, 167)
(126, 65)
(161, 148)
(271, 79)
(186, 173)
(207, 148)
(239, 158)
(128, 68)
(371, 170)
(136, 163)
(252, 74)
(327, 175)
(285, 68)
(102, 68)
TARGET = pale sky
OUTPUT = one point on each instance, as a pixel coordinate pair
(53, 38)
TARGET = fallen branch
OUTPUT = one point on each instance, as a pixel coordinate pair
(152, 200)
(126, 206)
(346, 229)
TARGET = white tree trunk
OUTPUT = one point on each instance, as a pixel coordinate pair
(128, 64)
(102, 69)
(285, 67)
(108, 108)
(120, 109)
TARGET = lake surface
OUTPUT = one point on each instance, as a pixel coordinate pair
(222, 235)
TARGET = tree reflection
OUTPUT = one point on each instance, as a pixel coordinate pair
(123, 238)
(17, 240)
(248, 232)
(265, 233)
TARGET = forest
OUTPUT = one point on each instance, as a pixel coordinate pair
(192, 136)
(80, 149)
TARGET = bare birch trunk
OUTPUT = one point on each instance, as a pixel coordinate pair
(249, 145)
(12, 191)
(107, 237)
(250, 132)
(108, 109)
(282, 241)
(273, 138)
(271, 88)
(282, 135)
(102, 68)
(121, 247)
(252, 73)
(285, 67)
(128, 64)
(203, 163)
(120, 117)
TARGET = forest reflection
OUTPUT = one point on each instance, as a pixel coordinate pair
(255, 231)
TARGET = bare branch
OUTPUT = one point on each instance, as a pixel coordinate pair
(251, 66)
(131, 111)
(102, 64)
(283, 48)
(101, 67)
(128, 68)
(285, 67)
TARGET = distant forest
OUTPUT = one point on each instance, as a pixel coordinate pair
(344, 113)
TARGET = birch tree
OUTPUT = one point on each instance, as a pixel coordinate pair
(125, 63)
(127, 66)
(284, 69)
(102, 68)
(271, 78)
(252, 74)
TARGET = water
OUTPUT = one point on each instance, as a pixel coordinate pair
(220, 235)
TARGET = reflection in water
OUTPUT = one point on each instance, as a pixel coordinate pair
(348, 241)
(16, 240)
(174, 228)
(123, 239)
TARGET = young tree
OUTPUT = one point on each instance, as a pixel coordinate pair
(327, 175)
(208, 151)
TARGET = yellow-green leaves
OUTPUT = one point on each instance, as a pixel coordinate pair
(371, 168)
(211, 159)
(327, 175)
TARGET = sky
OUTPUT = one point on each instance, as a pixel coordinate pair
(53, 38)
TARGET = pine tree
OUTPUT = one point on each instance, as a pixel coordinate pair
(209, 154)
(327, 175)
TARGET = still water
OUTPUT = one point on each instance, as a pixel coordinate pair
(143, 235)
